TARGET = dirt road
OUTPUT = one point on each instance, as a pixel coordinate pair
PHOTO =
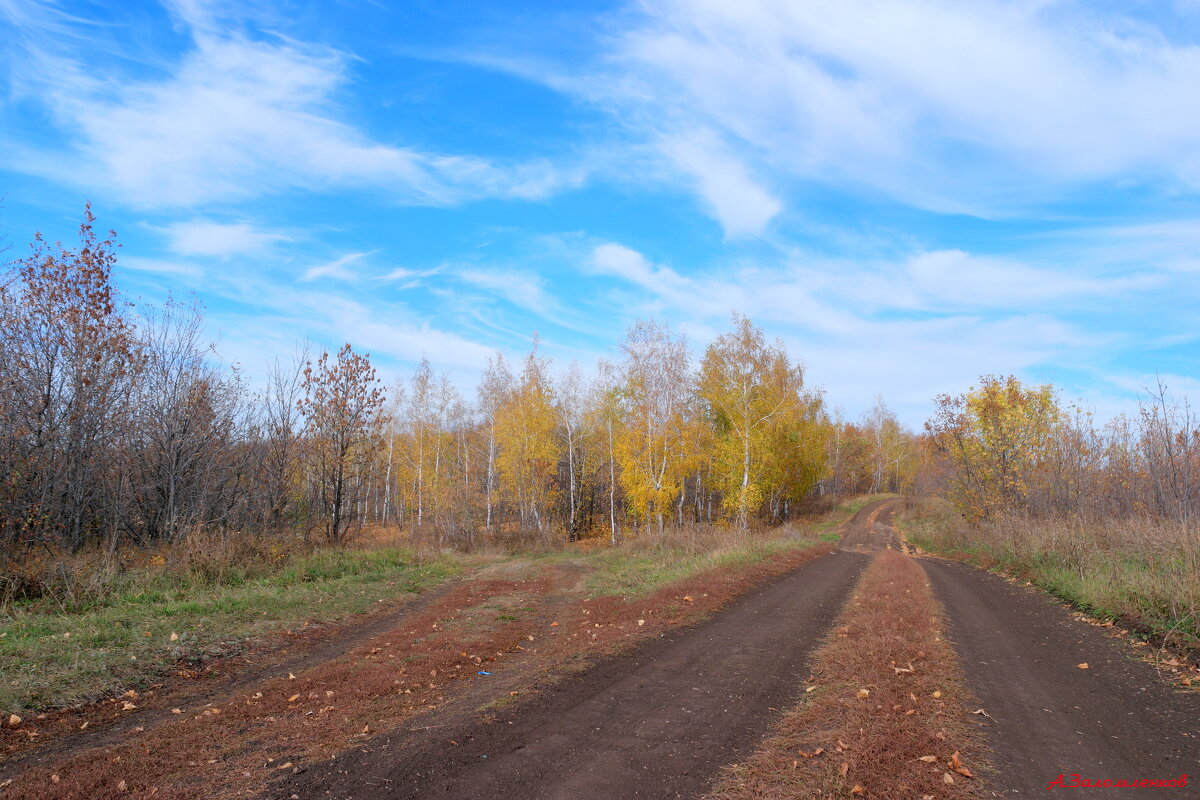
(1118, 719)
(656, 723)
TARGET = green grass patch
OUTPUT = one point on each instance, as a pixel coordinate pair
(1157, 594)
(49, 658)
(637, 574)
(844, 510)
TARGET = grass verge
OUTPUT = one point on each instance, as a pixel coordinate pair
(50, 659)
(142, 621)
(636, 574)
(1129, 571)
(885, 713)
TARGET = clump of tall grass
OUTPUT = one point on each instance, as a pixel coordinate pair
(1143, 570)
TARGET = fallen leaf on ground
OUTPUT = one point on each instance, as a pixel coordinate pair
(174, 636)
(1084, 665)
(937, 693)
(13, 720)
(291, 677)
(928, 759)
(864, 692)
(858, 790)
(293, 698)
(844, 768)
(947, 777)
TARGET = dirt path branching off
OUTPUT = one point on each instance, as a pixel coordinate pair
(884, 714)
(481, 642)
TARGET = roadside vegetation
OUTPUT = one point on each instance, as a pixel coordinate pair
(885, 711)
(1106, 517)
(143, 620)
(157, 504)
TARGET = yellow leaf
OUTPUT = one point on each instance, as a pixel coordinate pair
(1084, 665)
(293, 698)
(863, 692)
(937, 694)
(13, 720)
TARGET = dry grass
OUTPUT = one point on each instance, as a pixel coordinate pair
(1142, 572)
(535, 624)
(867, 723)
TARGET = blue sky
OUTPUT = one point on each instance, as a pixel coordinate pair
(909, 194)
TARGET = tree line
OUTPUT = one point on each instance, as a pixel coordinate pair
(1005, 446)
(119, 426)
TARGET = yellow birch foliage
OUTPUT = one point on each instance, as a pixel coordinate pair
(528, 450)
(996, 436)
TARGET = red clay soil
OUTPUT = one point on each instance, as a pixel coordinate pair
(95, 724)
(1116, 720)
(885, 715)
(419, 671)
(220, 747)
(656, 721)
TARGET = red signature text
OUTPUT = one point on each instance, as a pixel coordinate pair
(1064, 781)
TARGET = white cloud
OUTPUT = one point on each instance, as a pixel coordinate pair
(200, 237)
(521, 289)
(737, 201)
(336, 269)
(982, 108)
(234, 118)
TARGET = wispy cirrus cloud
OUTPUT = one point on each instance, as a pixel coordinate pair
(201, 237)
(235, 116)
(338, 269)
(987, 108)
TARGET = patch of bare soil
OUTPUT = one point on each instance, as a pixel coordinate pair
(871, 529)
(655, 720)
(884, 710)
(1064, 697)
(243, 739)
(476, 642)
(104, 722)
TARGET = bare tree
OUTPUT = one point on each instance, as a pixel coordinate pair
(341, 401)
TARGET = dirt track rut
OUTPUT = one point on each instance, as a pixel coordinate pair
(656, 723)
(1118, 719)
